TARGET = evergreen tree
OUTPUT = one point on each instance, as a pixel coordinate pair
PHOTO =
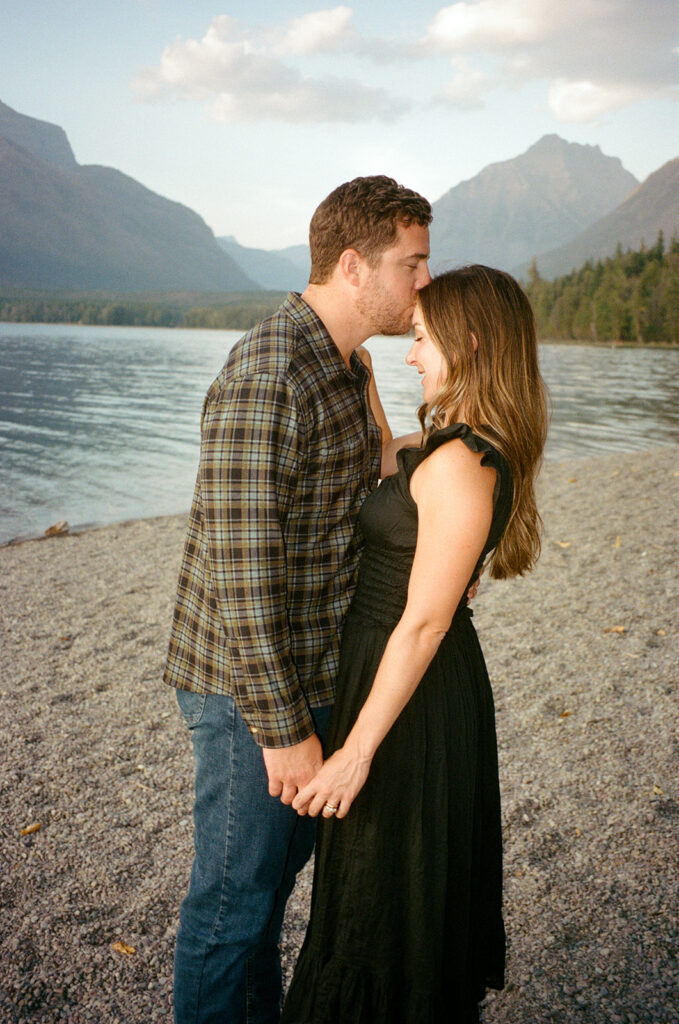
(631, 296)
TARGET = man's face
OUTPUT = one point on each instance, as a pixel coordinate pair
(389, 290)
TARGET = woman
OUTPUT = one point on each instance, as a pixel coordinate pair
(406, 920)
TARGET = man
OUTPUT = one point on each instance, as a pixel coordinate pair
(289, 451)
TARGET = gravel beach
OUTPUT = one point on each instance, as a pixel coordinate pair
(584, 658)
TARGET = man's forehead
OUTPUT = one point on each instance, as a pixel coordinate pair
(411, 240)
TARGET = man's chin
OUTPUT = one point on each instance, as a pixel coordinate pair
(396, 328)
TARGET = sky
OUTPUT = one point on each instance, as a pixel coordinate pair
(251, 111)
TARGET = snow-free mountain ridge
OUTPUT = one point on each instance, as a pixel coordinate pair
(67, 227)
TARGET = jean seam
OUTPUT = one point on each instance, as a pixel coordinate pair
(249, 993)
(224, 893)
(227, 840)
(229, 824)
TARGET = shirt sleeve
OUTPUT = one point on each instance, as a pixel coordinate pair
(251, 453)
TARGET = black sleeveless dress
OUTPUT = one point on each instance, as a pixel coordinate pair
(406, 917)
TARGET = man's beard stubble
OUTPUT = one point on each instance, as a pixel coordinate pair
(382, 313)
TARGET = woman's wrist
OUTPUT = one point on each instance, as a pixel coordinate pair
(361, 743)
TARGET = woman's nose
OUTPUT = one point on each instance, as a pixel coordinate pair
(410, 355)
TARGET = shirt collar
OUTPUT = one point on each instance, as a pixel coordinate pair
(320, 342)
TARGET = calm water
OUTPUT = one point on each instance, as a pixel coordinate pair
(100, 424)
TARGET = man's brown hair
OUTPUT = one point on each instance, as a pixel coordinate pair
(364, 215)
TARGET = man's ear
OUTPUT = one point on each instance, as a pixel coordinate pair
(350, 267)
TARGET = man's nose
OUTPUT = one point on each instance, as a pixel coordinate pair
(425, 277)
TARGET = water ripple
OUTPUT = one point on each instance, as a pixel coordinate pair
(102, 424)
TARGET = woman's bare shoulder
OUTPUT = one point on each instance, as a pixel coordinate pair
(451, 466)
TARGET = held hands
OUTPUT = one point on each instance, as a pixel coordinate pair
(290, 768)
(335, 787)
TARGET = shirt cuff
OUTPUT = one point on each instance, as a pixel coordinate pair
(277, 727)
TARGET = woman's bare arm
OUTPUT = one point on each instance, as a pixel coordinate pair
(454, 495)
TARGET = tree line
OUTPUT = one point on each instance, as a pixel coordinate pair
(632, 296)
(223, 312)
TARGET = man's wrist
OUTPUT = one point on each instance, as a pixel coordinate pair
(275, 737)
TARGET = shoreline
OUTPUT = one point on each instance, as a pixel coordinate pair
(86, 527)
(609, 343)
(583, 657)
(89, 527)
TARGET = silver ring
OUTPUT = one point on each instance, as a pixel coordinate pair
(329, 807)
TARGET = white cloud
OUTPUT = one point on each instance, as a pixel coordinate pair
(465, 88)
(487, 24)
(240, 75)
(594, 55)
(586, 101)
(307, 101)
(197, 69)
(591, 56)
(316, 32)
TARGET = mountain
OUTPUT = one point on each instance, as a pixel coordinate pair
(271, 269)
(45, 141)
(300, 256)
(517, 208)
(83, 228)
(652, 207)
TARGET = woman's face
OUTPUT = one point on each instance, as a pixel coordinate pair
(427, 357)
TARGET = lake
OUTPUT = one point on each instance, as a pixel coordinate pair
(101, 424)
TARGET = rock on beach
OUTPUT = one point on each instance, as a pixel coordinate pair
(96, 772)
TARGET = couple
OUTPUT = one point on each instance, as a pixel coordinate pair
(406, 923)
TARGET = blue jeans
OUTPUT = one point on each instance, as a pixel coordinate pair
(248, 850)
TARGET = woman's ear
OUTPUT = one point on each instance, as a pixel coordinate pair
(475, 341)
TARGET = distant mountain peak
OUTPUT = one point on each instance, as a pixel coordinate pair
(552, 141)
(86, 228)
(553, 145)
(270, 269)
(516, 208)
(47, 142)
(651, 207)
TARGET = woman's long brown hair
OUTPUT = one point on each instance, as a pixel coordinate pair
(484, 325)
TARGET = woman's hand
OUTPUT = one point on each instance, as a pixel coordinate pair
(335, 786)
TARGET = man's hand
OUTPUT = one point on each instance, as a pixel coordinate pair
(336, 786)
(290, 768)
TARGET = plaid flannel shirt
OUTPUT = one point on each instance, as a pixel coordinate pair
(289, 451)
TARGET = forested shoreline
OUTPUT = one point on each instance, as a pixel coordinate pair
(237, 311)
(630, 298)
